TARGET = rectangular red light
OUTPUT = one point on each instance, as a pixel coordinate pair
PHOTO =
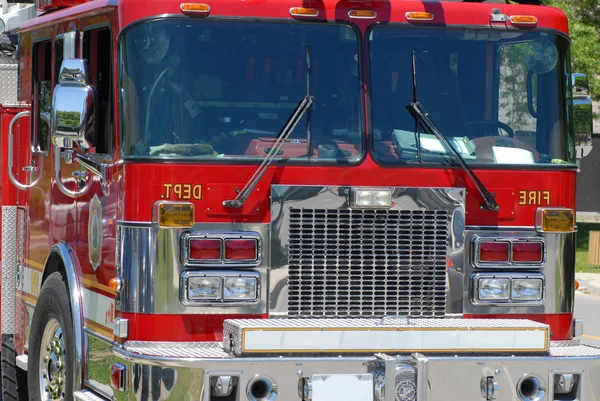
(528, 252)
(241, 249)
(494, 251)
(205, 249)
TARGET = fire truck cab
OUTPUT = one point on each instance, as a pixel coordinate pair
(278, 200)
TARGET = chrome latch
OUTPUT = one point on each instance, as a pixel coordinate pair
(489, 387)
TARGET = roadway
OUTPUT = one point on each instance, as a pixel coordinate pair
(587, 308)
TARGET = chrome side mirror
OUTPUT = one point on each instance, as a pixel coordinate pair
(74, 113)
(582, 115)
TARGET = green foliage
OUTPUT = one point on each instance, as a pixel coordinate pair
(584, 26)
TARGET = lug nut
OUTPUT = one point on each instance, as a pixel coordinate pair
(57, 350)
(46, 359)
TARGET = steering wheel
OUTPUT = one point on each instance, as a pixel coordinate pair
(497, 124)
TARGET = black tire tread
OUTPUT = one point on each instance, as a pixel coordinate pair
(14, 380)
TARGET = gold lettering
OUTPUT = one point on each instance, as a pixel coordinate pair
(168, 190)
(182, 191)
(197, 192)
(187, 189)
(531, 200)
(522, 197)
(177, 190)
(546, 195)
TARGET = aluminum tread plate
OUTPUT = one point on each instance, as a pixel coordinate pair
(177, 350)
(214, 350)
(9, 267)
(246, 336)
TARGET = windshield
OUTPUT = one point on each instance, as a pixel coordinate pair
(499, 97)
(224, 89)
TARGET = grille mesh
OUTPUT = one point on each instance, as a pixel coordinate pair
(367, 263)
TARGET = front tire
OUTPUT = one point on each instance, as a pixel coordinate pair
(51, 344)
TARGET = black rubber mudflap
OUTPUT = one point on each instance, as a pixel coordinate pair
(14, 380)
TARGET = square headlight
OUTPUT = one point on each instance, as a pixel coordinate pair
(527, 289)
(240, 288)
(371, 198)
(493, 289)
(204, 288)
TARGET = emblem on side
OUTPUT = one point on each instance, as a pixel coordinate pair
(95, 232)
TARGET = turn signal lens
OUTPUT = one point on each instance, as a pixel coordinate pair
(531, 252)
(205, 249)
(419, 16)
(523, 20)
(368, 14)
(241, 249)
(494, 251)
(176, 215)
(556, 220)
(115, 284)
(195, 8)
(304, 12)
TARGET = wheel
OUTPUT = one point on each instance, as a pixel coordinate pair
(485, 123)
(14, 380)
(51, 356)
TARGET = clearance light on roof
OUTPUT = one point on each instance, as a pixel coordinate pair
(304, 12)
(365, 14)
(198, 9)
(523, 20)
(419, 16)
(555, 220)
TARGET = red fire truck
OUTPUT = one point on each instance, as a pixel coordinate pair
(285, 200)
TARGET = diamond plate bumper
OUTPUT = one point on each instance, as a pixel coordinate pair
(168, 371)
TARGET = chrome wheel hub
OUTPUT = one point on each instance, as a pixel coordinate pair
(52, 362)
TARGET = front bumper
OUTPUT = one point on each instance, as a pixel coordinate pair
(180, 371)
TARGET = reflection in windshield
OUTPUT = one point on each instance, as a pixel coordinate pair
(207, 89)
(499, 97)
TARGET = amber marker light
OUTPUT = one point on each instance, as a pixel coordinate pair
(555, 220)
(201, 10)
(173, 215)
(523, 20)
(304, 12)
(364, 14)
(115, 284)
(419, 16)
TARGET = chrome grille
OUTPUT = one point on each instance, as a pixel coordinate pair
(366, 263)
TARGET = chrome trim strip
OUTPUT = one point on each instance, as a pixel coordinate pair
(99, 336)
(127, 223)
(98, 389)
(73, 271)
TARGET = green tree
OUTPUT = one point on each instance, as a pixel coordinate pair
(584, 27)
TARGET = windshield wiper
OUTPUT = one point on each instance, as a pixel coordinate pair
(293, 120)
(420, 116)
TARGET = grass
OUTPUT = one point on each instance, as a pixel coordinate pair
(581, 256)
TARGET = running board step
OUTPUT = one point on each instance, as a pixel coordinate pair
(87, 395)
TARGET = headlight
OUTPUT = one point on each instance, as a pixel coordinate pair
(528, 289)
(242, 288)
(201, 288)
(495, 289)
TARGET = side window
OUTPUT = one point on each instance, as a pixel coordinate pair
(42, 94)
(517, 103)
(97, 49)
(59, 54)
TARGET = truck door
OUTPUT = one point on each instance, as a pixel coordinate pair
(96, 209)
